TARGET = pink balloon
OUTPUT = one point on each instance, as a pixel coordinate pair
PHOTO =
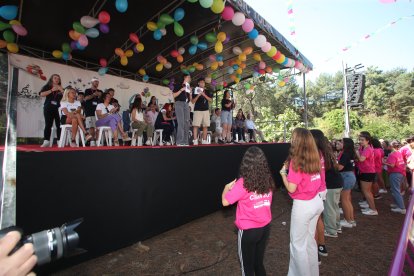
(103, 62)
(19, 29)
(266, 48)
(262, 65)
(248, 25)
(83, 41)
(227, 13)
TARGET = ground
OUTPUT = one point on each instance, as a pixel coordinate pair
(208, 246)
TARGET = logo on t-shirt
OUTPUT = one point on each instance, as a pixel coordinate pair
(261, 200)
(315, 177)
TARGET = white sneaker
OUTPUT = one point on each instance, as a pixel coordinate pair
(204, 142)
(242, 142)
(353, 223)
(195, 142)
(370, 212)
(148, 142)
(398, 210)
(383, 191)
(364, 205)
(134, 142)
(45, 144)
(392, 205)
(345, 224)
(167, 143)
(341, 211)
(93, 144)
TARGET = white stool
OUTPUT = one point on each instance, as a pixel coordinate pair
(66, 135)
(209, 135)
(107, 132)
(157, 133)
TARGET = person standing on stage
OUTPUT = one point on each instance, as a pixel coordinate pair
(253, 192)
(201, 98)
(92, 98)
(52, 91)
(182, 96)
(227, 106)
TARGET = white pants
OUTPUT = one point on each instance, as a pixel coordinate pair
(303, 248)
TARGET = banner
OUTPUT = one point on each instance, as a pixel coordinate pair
(34, 74)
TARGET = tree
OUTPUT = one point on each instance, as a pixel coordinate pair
(332, 123)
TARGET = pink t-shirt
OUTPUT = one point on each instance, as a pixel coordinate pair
(396, 158)
(368, 165)
(406, 152)
(378, 155)
(308, 185)
(253, 210)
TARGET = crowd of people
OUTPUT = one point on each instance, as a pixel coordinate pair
(319, 175)
(186, 121)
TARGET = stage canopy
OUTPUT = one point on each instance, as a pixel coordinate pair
(176, 25)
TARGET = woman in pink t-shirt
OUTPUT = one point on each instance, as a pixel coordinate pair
(378, 186)
(253, 191)
(303, 182)
(367, 174)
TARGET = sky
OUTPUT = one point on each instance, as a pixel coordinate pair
(324, 27)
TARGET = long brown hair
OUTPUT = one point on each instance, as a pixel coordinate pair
(325, 148)
(303, 152)
(255, 171)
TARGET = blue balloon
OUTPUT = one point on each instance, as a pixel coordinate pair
(8, 12)
(285, 62)
(179, 14)
(235, 66)
(102, 71)
(192, 50)
(92, 32)
(65, 56)
(202, 46)
(80, 47)
(145, 78)
(219, 58)
(253, 34)
(157, 34)
(121, 5)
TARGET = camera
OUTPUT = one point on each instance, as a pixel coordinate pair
(50, 245)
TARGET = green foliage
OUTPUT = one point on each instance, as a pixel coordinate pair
(332, 123)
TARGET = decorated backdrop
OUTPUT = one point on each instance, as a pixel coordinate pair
(34, 73)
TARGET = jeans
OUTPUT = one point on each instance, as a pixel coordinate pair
(349, 180)
(182, 111)
(331, 214)
(395, 182)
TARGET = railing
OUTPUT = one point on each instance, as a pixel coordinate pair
(401, 255)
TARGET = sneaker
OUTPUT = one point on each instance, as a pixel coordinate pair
(353, 223)
(398, 210)
(169, 144)
(242, 142)
(134, 142)
(346, 224)
(204, 142)
(363, 202)
(364, 206)
(383, 191)
(330, 235)
(322, 250)
(93, 144)
(392, 205)
(148, 142)
(339, 230)
(195, 142)
(378, 196)
(45, 144)
(370, 212)
(73, 144)
(341, 211)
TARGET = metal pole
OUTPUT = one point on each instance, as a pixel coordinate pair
(347, 128)
(305, 102)
(284, 131)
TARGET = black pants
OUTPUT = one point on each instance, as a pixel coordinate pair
(168, 129)
(50, 115)
(251, 246)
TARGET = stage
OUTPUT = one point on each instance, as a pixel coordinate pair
(125, 194)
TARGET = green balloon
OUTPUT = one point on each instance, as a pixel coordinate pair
(276, 69)
(192, 69)
(166, 19)
(4, 26)
(214, 76)
(9, 36)
(211, 37)
(77, 26)
(194, 40)
(178, 29)
(160, 25)
(192, 1)
(247, 85)
(66, 48)
(166, 82)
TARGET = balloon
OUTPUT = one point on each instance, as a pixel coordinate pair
(179, 14)
(165, 81)
(103, 62)
(180, 59)
(247, 85)
(192, 1)
(192, 69)
(121, 5)
(79, 47)
(4, 26)
(181, 50)
(214, 65)
(260, 41)
(119, 52)
(277, 55)
(133, 37)
(124, 60)
(129, 53)
(151, 26)
(194, 39)
(255, 74)
(145, 78)
(104, 28)
(271, 52)
(202, 46)
(174, 53)
(262, 65)
(243, 66)
(104, 17)
(239, 71)
(237, 50)
(242, 57)
(227, 13)
(221, 36)
(238, 19)
(218, 47)
(276, 69)
(192, 50)
(66, 56)
(66, 47)
(211, 37)
(92, 32)
(253, 34)
(88, 21)
(159, 67)
(268, 69)
(200, 67)
(77, 26)
(83, 40)
(262, 72)
(248, 25)
(102, 71)
(74, 35)
(178, 29)
(141, 72)
(248, 50)
(257, 57)
(3, 44)
(160, 58)
(8, 12)
(284, 63)
(139, 47)
(281, 59)
(266, 48)
(157, 34)
(206, 3)
(19, 29)
(281, 83)
(219, 58)
(168, 65)
(218, 6)
(57, 54)
(9, 36)
(166, 19)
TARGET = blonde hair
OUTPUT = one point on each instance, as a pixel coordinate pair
(304, 153)
(66, 93)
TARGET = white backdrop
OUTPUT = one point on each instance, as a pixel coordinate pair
(34, 73)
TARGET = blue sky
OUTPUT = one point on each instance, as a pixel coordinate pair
(324, 27)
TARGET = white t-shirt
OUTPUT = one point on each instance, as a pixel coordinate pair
(69, 106)
(250, 124)
(104, 109)
(139, 115)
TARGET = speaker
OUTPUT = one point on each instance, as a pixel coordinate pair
(356, 88)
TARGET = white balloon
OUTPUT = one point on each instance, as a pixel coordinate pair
(168, 65)
(89, 21)
(238, 19)
(237, 51)
(181, 50)
(260, 41)
(163, 31)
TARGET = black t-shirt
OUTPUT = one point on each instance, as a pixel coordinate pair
(333, 179)
(223, 103)
(183, 97)
(90, 105)
(52, 101)
(347, 162)
(201, 104)
(160, 119)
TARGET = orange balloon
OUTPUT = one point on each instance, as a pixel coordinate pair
(119, 52)
(3, 43)
(220, 63)
(180, 58)
(200, 67)
(74, 35)
(268, 69)
(248, 50)
(233, 77)
(243, 66)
